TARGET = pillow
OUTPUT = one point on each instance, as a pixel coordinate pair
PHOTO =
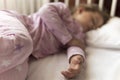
(108, 36)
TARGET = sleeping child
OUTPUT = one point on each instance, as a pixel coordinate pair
(54, 28)
(51, 29)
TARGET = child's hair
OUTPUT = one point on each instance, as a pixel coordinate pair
(93, 8)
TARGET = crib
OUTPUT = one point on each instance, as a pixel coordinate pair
(30, 6)
(49, 68)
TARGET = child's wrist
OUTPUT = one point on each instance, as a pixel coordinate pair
(75, 51)
(77, 57)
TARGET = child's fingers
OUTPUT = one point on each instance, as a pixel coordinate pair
(67, 74)
(73, 70)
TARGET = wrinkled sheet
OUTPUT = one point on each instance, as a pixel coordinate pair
(101, 64)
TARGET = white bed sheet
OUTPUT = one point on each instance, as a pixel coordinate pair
(102, 64)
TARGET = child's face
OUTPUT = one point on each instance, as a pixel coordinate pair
(89, 20)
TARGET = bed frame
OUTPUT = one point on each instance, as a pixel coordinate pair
(30, 6)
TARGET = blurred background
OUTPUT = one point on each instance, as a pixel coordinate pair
(30, 6)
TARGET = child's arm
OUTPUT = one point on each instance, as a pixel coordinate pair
(55, 16)
(76, 58)
(75, 47)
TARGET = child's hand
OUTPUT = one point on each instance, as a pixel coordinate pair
(74, 68)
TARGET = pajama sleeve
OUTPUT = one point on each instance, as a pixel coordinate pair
(57, 18)
(74, 50)
(54, 16)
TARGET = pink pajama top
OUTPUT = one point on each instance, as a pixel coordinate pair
(41, 34)
(15, 47)
(52, 28)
